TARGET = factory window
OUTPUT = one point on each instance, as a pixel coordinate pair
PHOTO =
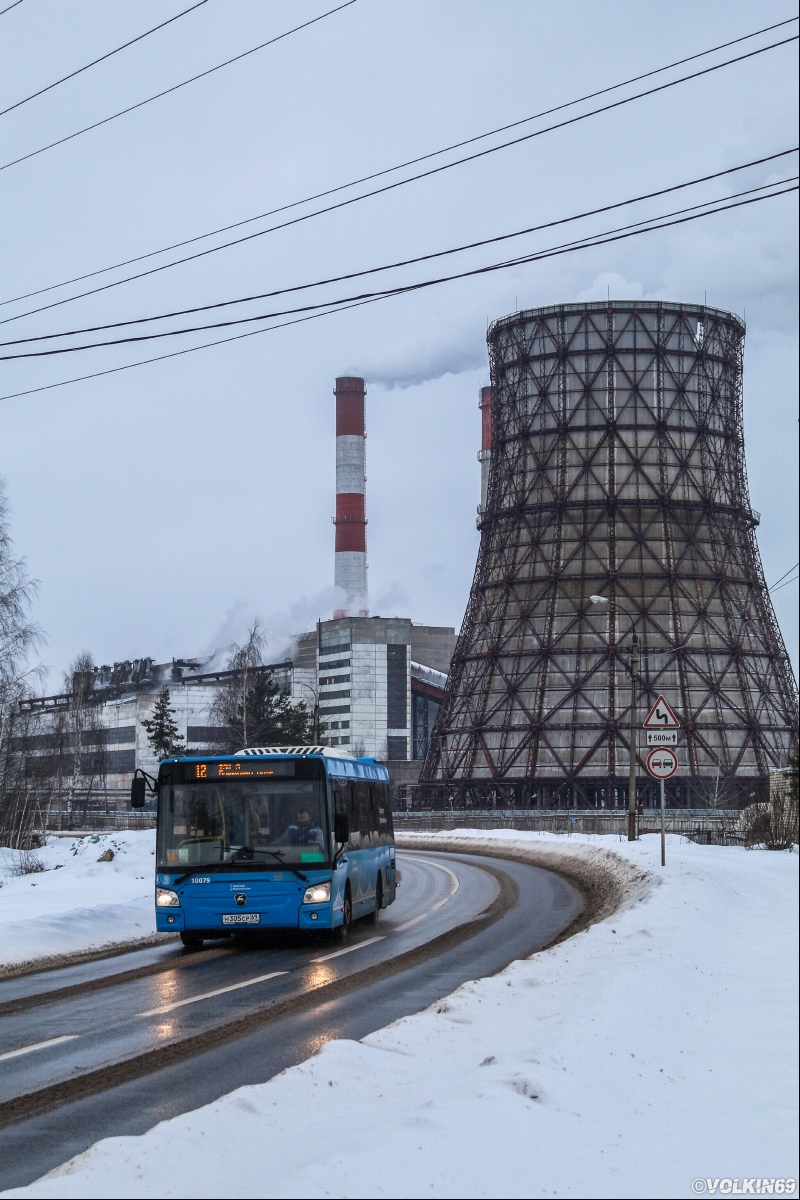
(397, 747)
(328, 679)
(423, 718)
(123, 735)
(343, 695)
(397, 687)
(208, 734)
(342, 649)
(110, 762)
(334, 666)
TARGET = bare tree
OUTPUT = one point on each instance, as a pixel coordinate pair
(250, 706)
(18, 638)
(79, 680)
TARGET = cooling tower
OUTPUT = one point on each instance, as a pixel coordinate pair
(618, 470)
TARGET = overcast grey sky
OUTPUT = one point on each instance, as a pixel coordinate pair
(162, 507)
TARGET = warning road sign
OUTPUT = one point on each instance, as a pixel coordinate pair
(662, 763)
(661, 716)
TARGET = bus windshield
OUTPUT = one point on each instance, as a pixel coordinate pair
(250, 823)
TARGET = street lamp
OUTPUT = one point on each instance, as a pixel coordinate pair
(315, 733)
(634, 728)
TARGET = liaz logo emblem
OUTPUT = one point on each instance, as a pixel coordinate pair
(241, 899)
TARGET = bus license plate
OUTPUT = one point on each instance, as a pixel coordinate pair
(241, 918)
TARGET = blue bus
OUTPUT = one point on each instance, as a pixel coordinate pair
(283, 837)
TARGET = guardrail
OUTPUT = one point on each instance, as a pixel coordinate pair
(75, 824)
(717, 827)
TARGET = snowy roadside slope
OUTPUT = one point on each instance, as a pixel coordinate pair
(77, 904)
(657, 1047)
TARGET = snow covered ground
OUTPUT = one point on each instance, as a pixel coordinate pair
(76, 904)
(657, 1048)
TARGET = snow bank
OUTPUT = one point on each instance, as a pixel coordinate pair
(654, 1048)
(76, 904)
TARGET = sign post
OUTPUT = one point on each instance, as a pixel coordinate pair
(662, 764)
(661, 728)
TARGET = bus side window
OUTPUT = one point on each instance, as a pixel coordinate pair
(350, 806)
(387, 824)
(362, 807)
(372, 809)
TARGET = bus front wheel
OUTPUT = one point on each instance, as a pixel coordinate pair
(191, 941)
(342, 932)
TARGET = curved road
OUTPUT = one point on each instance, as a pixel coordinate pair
(114, 1046)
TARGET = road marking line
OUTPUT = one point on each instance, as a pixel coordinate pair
(408, 924)
(349, 949)
(67, 1037)
(446, 870)
(164, 1008)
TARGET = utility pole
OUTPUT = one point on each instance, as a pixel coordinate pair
(633, 740)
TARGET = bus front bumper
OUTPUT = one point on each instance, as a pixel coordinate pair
(306, 916)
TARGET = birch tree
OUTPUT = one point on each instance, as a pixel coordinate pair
(19, 636)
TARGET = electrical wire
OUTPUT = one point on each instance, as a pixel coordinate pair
(236, 337)
(175, 87)
(783, 576)
(102, 58)
(14, 5)
(376, 191)
(398, 167)
(786, 584)
(423, 257)
(621, 234)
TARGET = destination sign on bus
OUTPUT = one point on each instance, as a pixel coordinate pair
(242, 769)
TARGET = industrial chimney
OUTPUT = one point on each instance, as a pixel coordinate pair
(351, 523)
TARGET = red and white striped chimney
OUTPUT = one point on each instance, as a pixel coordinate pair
(485, 452)
(351, 522)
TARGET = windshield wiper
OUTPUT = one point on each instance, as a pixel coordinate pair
(182, 878)
(248, 851)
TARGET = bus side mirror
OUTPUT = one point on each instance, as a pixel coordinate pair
(341, 827)
(138, 792)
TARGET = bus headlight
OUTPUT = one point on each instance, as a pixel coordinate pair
(318, 893)
(166, 898)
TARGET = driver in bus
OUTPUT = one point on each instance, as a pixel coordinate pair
(302, 832)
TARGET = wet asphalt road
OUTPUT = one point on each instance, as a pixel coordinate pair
(114, 1046)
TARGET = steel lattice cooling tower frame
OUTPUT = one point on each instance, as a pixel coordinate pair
(617, 467)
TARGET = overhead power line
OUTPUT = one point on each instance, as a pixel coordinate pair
(141, 103)
(10, 6)
(592, 240)
(783, 576)
(363, 179)
(778, 587)
(48, 387)
(102, 58)
(421, 257)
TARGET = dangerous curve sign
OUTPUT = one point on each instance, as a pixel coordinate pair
(661, 716)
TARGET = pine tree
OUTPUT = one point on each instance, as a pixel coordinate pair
(265, 716)
(162, 729)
